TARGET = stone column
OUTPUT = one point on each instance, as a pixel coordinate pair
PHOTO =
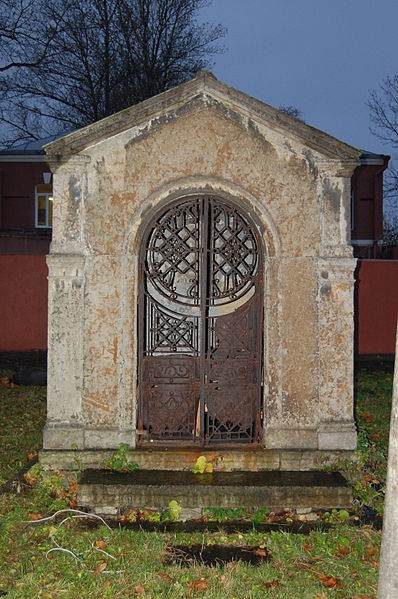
(336, 311)
(66, 264)
(65, 352)
(336, 342)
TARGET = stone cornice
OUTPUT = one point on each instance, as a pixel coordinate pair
(203, 86)
(72, 163)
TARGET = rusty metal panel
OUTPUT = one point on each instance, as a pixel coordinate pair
(201, 326)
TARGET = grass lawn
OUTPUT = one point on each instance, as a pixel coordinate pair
(339, 562)
(22, 417)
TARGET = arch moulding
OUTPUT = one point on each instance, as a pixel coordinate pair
(134, 237)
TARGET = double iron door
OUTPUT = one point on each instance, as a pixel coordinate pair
(200, 326)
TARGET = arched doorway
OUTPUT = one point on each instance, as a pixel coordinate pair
(200, 325)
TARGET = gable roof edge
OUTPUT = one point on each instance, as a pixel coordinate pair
(204, 83)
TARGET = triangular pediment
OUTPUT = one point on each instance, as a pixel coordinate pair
(206, 88)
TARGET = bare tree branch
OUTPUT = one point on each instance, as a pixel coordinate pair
(383, 110)
(100, 57)
(24, 39)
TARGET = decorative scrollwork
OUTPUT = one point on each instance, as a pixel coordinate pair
(200, 336)
(169, 332)
(233, 253)
(173, 254)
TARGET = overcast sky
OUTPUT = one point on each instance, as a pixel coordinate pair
(321, 56)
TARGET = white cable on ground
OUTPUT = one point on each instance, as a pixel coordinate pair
(76, 514)
(65, 511)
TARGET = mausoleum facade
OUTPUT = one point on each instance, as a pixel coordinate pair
(201, 279)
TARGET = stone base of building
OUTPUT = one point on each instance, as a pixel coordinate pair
(328, 436)
(336, 435)
(226, 460)
(63, 437)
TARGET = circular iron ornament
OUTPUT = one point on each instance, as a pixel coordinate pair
(234, 253)
(175, 249)
(173, 253)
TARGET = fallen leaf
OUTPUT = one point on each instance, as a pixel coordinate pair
(107, 584)
(374, 564)
(342, 551)
(328, 581)
(100, 544)
(100, 568)
(274, 583)
(139, 589)
(198, 585)
(302, 518)
(260, 552)
(35, 516)
(165, 576)
(31, 455)
(370, 552)
(307, 546)
(223, 579)
(52, 531)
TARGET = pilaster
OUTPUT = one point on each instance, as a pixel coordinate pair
(65, 350)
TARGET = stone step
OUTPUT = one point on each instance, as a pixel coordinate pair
(106, 492)
(184, 458)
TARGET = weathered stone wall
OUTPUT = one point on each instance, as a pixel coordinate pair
(300, 200)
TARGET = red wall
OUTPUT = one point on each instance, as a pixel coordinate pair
(17, 193)
(376, 306)
(23, 302)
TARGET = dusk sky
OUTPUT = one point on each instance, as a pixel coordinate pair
(322, 57)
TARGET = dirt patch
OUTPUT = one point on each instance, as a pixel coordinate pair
(214, 555)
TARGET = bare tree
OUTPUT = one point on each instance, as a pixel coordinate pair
(168, 47)
(383, 108)
(390, 234)
(24, 38)
(106, 55)
(292, 110)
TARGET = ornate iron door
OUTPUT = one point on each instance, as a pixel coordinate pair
(200, 326)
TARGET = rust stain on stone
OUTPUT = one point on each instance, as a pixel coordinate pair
(115, 344)
(94, 400)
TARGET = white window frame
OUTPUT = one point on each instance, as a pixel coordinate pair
(47, 194)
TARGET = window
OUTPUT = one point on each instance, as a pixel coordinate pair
(44, 206)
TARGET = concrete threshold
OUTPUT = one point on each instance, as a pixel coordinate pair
(107, 492)
(184, 458)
